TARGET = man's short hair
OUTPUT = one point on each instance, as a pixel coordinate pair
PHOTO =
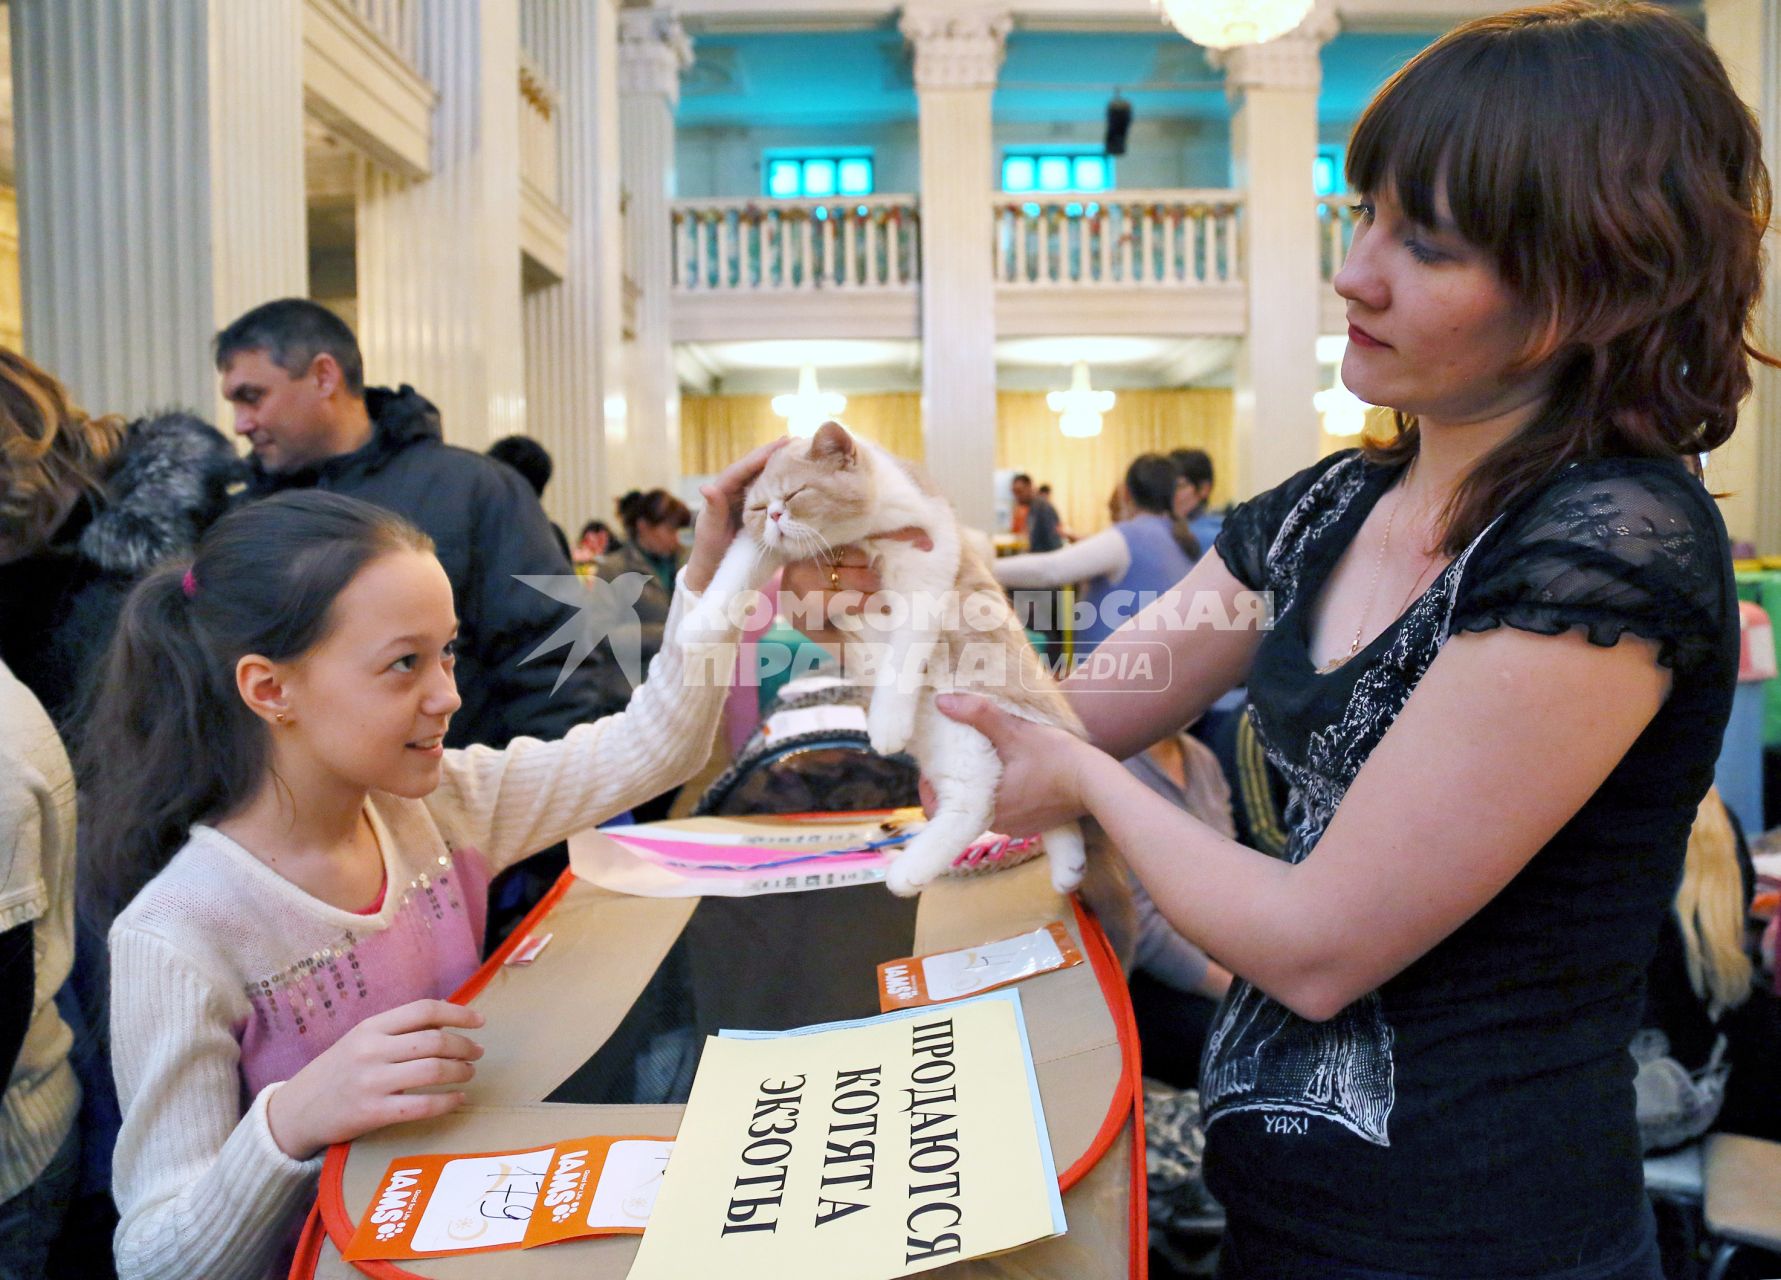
(526, 456)
(1021, 476)
(293, 332)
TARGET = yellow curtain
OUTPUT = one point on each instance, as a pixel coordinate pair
(12, 320)
(1084, 473)
(716, 430)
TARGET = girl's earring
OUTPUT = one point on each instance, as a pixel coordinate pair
(279, 717)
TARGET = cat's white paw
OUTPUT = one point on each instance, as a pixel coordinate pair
(1068, 857)
(890, 726)
(1066, 877)
(901, 879)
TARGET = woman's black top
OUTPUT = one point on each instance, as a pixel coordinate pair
(1474, 1116)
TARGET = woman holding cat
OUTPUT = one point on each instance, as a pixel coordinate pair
(1501, 662)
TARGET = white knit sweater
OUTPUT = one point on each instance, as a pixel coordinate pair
(226, 977)
(36, 888)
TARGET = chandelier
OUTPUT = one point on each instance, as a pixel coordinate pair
(809, 408)
(1223, 24)
(1080, 408)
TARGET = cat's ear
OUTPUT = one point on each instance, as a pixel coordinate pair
(832, 442)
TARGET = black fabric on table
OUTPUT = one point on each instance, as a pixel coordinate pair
(767, 963)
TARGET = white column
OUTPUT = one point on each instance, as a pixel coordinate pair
(573, 326)
(653, 50)
(958, 50)
(1747, 36)
(1273, 92)
(160, 171)
(438, 258)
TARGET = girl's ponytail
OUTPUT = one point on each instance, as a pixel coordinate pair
(169, 741)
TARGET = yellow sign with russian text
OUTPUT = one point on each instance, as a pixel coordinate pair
(862, 1150)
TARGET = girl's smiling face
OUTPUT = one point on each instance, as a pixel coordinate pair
(369, 704)
(1434, 331)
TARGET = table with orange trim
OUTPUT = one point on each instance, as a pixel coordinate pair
(559, 1028)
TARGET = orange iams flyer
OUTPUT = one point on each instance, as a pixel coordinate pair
(431, 1206)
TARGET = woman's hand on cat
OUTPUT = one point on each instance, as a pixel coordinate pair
(843, 583)
(721, 517)
(1042, 766)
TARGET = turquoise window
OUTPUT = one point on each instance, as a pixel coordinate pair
(1027, 171)
(789, 177)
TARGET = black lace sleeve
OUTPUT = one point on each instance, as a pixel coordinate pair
(1611, 546)
(1250, 527)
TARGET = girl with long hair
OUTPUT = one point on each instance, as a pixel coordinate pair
(299, 868)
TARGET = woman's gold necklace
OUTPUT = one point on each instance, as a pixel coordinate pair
(1354, 645)
(1372, 589)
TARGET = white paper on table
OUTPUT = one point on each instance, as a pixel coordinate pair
(482, 1201)
(951, 974)
(629, 1184)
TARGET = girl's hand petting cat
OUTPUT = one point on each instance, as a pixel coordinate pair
(1042, 767)
(360, 1083)
(850, 576)
(721, 518)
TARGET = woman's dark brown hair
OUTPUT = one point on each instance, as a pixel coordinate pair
(658, 506)
(170, 741)
(1150, 482)
(1598, 153)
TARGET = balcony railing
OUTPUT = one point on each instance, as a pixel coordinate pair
(1335, 225)
(742, 246)
(393, 21)
(1121, 239)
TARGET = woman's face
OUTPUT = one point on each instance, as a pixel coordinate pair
(1189, 498)
(1433, 329)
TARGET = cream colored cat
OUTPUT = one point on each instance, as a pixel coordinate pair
(839, 490)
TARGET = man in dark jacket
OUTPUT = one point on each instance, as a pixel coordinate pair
(292, 370)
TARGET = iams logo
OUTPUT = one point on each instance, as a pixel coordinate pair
(899, 982)
(396, 1203)
(564, 1193)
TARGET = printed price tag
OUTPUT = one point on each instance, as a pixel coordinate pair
(949, 975)
(430, 1206)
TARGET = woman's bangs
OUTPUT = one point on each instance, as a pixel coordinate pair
(1449, 121)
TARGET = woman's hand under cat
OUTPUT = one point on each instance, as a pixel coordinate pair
(842, 583)
(1042, 767)
(721, 518)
